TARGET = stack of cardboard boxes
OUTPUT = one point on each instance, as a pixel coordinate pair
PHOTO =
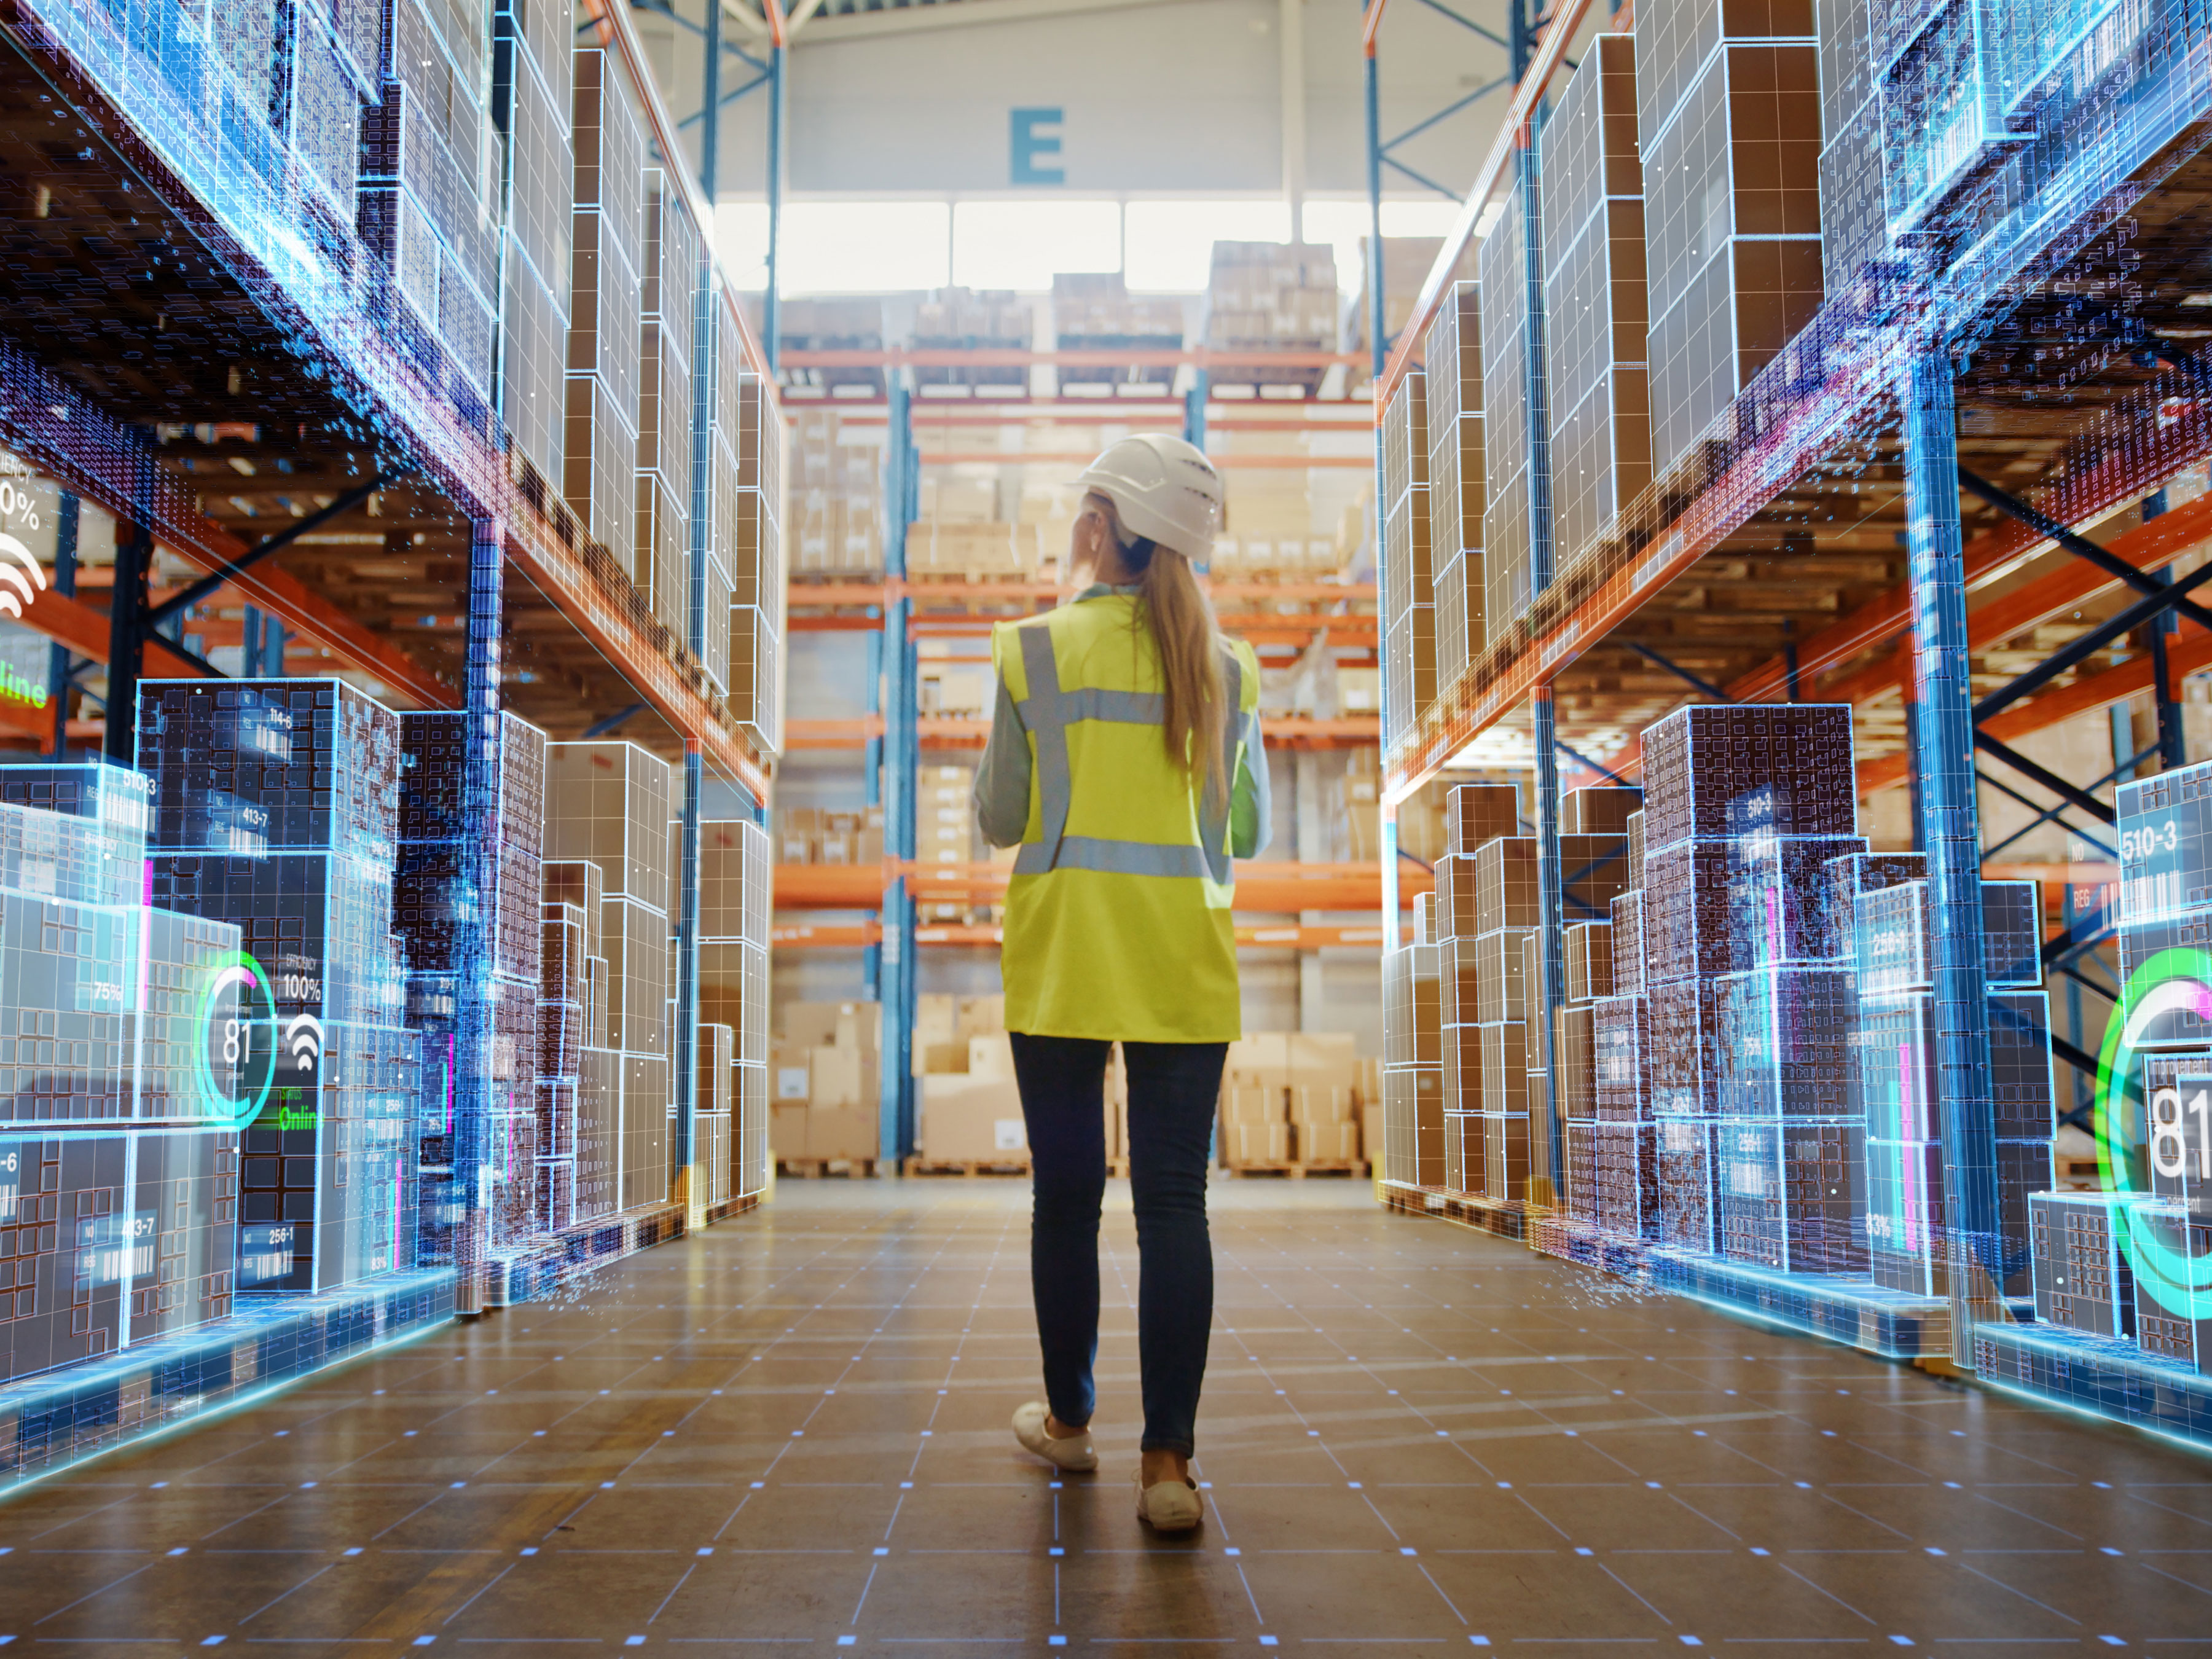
(836, 495)
(969, 1110)
(945, 833)
(812, 835)
(1295, 1097)
(972, 551)
(1093, 312)
(1270, 296)
(828, 1087)
(962, 688)
(958, 317)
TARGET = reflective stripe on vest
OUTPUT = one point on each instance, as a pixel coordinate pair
(1047, 712)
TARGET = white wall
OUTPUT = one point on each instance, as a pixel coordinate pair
(1178, 96)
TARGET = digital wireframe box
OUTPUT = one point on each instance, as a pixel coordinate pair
(1595, 310)
(252, 767)
(110, 1238)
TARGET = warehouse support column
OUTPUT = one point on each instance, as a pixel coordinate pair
(1943, 739)
(710, 103)
(1309, 840)
(1377, 357)
(126, 623)
(1546, 1159)
(473, 1012)
(771, 302)
(895, 976)
(871, 764)
(67, 516)
(685, 1186)
(1548, 1154)
(691, 1186)
(1379, 347)
(1908, 681)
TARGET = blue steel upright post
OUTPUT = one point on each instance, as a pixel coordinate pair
(68, 515)
(705, 355)
(472, 1010)
(771, 300)
(1943, 737)
(896, 971)
(1378, 359)
(1542, 714)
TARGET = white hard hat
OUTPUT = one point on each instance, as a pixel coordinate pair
(1164, 490)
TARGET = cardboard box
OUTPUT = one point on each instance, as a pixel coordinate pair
(842, 1131)
(936, 1018)
(1259, 1061)
(1319, 1106)
(843, 1076)
(971, 1119)
(787, 1130)
(946, 1058)
(792, 1078)
(981, 1016)
(856, 1025)
(990, 1056)
(1243, 1103)
(1326, 1060)
(1371, 1131)
(1257, 1143)
(1328, 1143)
(810, 1025)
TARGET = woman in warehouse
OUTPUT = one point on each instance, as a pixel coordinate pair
(1125, 761)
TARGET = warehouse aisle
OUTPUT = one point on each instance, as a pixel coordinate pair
(792, 1432)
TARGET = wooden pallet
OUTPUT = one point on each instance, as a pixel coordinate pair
(816, 1169)
(969, 1167)
(1356, 1168)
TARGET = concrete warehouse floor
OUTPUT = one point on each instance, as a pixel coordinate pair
(792, 1432)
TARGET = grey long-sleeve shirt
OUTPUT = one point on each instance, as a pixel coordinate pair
(1002, 784)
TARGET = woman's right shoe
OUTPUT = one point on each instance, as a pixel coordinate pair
(1073, 1452)
(1169, 1506)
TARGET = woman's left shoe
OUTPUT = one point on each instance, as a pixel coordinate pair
(1073, 1452)
(1169, 1506)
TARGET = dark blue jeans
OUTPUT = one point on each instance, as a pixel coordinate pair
(1173, 1088)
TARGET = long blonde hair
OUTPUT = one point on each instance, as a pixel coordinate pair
(1184, 632)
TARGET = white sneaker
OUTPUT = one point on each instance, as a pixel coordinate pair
(1072, 1451)
(1169, 1506)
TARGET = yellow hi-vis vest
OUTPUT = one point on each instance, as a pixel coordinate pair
(1118, 923)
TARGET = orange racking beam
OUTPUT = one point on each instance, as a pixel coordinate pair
(1023, 357)
(1263, 886)
(858, 935)
(2146, 547)
(1233, 463)
(2190, 654)
(923, 590)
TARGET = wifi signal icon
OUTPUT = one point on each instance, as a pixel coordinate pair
(21, 578)
(303, 1041)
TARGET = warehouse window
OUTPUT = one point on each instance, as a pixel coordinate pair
(1170, 244)
(741, 244)
(865, 247)
(1343, 225)
(1023, 245)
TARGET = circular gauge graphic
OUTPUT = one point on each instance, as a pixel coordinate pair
(2176, 981)
(235, 1052)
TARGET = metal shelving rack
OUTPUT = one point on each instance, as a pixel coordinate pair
(1917, 381)
(256, 338)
